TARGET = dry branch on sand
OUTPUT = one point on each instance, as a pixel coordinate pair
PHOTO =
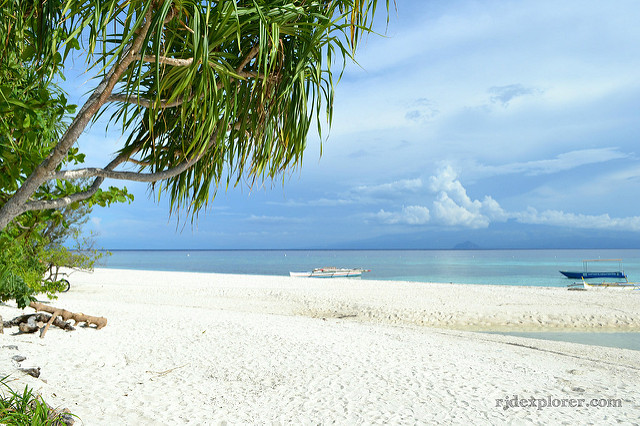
(30, 323)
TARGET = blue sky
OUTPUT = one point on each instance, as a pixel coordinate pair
(490, 121)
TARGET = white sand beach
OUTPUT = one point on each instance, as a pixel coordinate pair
(212, 348)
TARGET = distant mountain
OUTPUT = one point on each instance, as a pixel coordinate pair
(507, 235)
(467, 245)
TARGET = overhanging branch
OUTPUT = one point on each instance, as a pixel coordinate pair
(100, 174)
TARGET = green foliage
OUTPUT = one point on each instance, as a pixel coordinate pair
(33, 109)
(33, 114)
(31, 259)
(24, 408)
(13, 287)
(20, 257)
(251, 120)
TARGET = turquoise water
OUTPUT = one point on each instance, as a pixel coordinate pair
(501, 267)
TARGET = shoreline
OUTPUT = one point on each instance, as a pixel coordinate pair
(207, 348)
(470, 307)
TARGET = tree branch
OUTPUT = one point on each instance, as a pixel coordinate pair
(107, 172)
(131, 176)
(166, 60)
(79, 196)
(250, 55)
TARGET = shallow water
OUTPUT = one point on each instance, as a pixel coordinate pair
(629, 340)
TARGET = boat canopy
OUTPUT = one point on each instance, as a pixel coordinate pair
(586, 273)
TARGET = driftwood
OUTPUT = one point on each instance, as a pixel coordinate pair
(99, 322)
(30, 323)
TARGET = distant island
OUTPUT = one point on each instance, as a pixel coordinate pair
(467, 245)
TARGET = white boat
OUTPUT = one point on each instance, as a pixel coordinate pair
(584, 285)
(331, 272)
(615, 286)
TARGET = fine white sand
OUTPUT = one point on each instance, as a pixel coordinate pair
(209, 348)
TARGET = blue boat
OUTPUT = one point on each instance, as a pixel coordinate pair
(586, 274)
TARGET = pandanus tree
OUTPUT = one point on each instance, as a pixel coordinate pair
(206, 92)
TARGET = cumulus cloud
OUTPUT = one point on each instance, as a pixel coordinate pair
(452, 214)
(492, 209)
(453, 207)
(410, 215)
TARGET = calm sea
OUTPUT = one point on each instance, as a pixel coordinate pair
(501, 267)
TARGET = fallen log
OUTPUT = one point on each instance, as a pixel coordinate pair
(99, 322)
(30, 323)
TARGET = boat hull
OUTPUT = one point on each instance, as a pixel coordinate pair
(589, 275)
(612, 286)
(330, 273)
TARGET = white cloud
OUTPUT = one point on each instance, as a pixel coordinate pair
(491, 209)
(446, 180)
(453, 207)
(572, 220)
(449, 213)
(421, 110)
(410, 215)
(385, 189)
(562, 162)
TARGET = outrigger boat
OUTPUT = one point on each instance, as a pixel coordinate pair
(619, 286)
(331, 272)
(626, 285)
(586, 274)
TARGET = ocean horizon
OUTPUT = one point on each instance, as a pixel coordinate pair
(528, 267)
